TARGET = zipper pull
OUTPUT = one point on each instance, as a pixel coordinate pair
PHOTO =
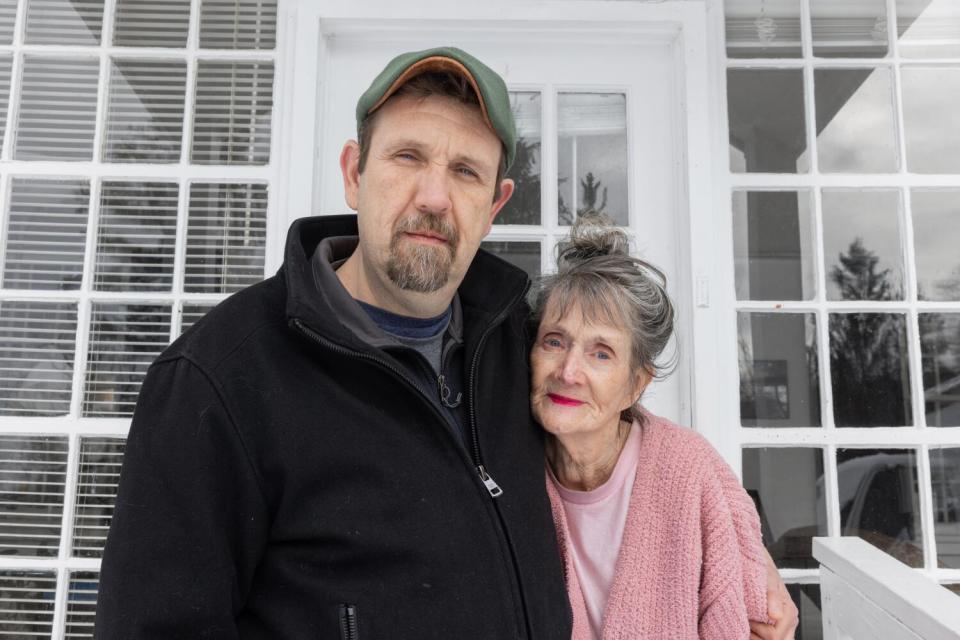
(444, 391)
(490, 483)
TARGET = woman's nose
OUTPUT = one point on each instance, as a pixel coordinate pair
(571, 369)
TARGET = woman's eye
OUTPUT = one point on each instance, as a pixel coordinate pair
(603, 355)
(553, 343)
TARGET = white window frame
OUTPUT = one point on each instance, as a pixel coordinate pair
(828, 437)
(73, 426)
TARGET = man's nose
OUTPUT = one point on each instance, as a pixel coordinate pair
(433, 190)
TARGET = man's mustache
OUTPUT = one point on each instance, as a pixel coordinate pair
(427, 223)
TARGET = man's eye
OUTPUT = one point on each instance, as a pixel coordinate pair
(467, 172)
(406, 155)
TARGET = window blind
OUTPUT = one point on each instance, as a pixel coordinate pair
(231, 121)
(147, 23)
(64, 22)
(238, 24)
(136, 236)
(145, 114)
(26, 599)
(6, 63)
(81, 604)
(33, 473)
(124, 340)
(46, 233)
(37, 340)
(99, 475)
(58, 108)
(8, 14)
(226, 237)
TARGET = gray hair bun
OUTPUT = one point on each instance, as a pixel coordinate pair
(591, 236)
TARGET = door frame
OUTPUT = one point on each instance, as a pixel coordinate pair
(308, 26)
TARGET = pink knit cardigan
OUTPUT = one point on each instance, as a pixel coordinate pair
(691, 563)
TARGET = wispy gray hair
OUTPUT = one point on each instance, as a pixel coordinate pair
(597, 274)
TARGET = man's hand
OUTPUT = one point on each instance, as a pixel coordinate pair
(780, 608)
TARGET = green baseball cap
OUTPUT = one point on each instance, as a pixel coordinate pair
(488, 85)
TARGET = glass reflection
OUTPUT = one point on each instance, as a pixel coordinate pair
(880, 501)
(99, 476)
(871, 378)
(787, 486)
(766, 117)
(523, 207)
(779, 377)
(64, 22)
(763, 28)
(863, 253)
(940, 355)
(145, 114)
(592, 156)
(928, 28)
(525, 255)
(807, 599)
(931, 119)
(32, 491)
(945, 479)
(146, 23)
(936, 227)
(855, 122)
(773, 240)
(849, 30)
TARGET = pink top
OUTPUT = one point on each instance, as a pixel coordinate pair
(595, 520)
(691, 564)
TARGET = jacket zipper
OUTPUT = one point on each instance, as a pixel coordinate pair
(349, 627)
(492, 488)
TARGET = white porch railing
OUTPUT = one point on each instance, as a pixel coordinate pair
(867, 594)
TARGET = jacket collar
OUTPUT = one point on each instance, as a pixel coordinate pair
(489, 288)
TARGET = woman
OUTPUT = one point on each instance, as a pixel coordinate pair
(658, 538)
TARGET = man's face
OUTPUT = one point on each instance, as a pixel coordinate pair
(425, 197)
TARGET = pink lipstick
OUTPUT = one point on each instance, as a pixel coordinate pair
(564, 400)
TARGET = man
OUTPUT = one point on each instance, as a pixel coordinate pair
(345, 450)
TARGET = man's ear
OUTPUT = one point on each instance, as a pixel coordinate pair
(350, 169)
(506, 190)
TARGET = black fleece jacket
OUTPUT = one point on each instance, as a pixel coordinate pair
(284, 479)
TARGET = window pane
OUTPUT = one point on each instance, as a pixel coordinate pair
(226, 237)
(46, 234)
(33, 472)
(99, 474)
(928, 28)
(767, 130)
(525, 255)
(26, 599)
(779, 377)
(936, 227)
(81, 604)
(807, 599)
(945, 477)
(136, 236)
(931, 120)
(8, 14)
(855, 123)
(231, 123)
(238, 24)
(773, 244)
(5, 65)
(191, 313)
(145, 116)
(592, 156)
(58, 109)
(871, 378)
(849, 30)
(787, 487)
(880, 502)
(148, 23)
(862, 246)
(763, 29)
(940, 354)
(523, 207)
(64, 22)
(232, 117)
(124, 340)
(37, 341)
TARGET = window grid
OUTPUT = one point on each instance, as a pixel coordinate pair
(828, 437)
(96, 170)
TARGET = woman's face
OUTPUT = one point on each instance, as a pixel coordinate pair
(582, 376)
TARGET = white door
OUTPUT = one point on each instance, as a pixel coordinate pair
(600, 119)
